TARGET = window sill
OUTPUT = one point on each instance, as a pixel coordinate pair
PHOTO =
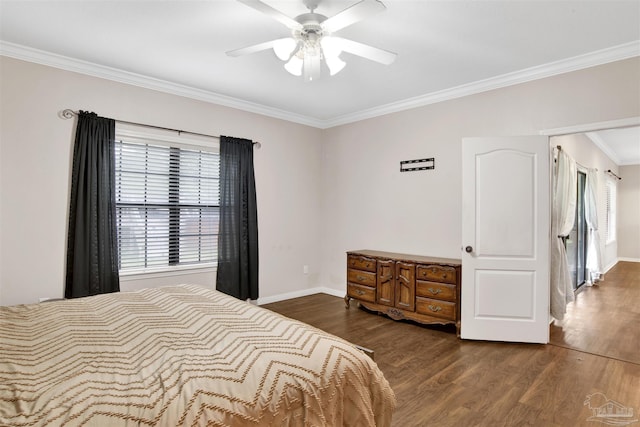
(152, 273)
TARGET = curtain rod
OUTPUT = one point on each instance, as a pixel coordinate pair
(559, 147)
(69, 113)
(610, 172)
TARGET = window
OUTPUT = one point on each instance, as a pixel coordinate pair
(166, 205)
(611, 210)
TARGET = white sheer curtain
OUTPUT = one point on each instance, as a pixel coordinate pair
(594, 258)
(563, 217)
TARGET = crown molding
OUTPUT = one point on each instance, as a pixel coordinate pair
(600, 57)
(592, 59)
(598, 142)
(88, 68)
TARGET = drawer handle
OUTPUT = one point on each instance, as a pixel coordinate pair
(434, 308)
(435, 291)
(361, 278)
(359, 292)
(424, 273)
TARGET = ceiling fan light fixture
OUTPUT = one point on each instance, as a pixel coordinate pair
(334, 64)
(294, 66)
(311, 67)
(284, 48)
(330, 47)
(311, 41)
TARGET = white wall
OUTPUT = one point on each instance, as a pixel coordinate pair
(588, 155)
(36, 150)
(629, 213)
(320, 193)
(368, 204)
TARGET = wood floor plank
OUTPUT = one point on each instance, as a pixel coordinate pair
(440, 380)
(604, 318)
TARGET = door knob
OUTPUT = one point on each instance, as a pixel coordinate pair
(468, 249)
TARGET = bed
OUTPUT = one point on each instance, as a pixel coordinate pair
(180, 355)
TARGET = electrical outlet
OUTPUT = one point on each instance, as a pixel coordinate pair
(305, 269)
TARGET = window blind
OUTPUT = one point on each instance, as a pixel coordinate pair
(166, 205)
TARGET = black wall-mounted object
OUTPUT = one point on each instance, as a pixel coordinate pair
(417, 165)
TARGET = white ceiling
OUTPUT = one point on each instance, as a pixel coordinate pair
(445, 49)
(620, 145)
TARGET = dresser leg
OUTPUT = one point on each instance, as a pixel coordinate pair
(347, 301)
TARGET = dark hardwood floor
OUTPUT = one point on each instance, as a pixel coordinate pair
(605, 319)
(440, 380)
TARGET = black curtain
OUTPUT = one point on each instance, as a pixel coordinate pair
(92, 257)
(238, 232)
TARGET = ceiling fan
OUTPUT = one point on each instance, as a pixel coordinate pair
(312, 41)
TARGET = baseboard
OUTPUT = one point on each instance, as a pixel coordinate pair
(610, 266)
(301, 293)
(333, 292)
(341, 293)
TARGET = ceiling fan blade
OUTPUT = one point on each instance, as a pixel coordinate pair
(352, 14)
(290, 23)
(252, 49)
(373, 53)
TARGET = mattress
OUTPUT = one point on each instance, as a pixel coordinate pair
(182, 355)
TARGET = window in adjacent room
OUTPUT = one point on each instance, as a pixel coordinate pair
(576, 242)
(611, 210)
(166, 204)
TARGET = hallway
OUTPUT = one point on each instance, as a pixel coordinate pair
(604, 319)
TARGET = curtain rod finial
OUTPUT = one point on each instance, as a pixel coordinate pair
(67, 114)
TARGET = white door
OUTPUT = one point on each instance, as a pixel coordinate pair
(505, 239)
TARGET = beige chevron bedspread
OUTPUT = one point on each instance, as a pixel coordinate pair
(180, 356)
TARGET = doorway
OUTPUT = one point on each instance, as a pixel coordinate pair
(598, 321)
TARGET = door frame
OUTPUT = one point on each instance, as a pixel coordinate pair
(592, 127)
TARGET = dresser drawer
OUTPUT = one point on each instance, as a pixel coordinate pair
(436, 308)
(361, 277)
(359, 262)
(364, 293)
(436, 290)
(436, 273)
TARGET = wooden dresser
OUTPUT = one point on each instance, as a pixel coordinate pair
(418, 288)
